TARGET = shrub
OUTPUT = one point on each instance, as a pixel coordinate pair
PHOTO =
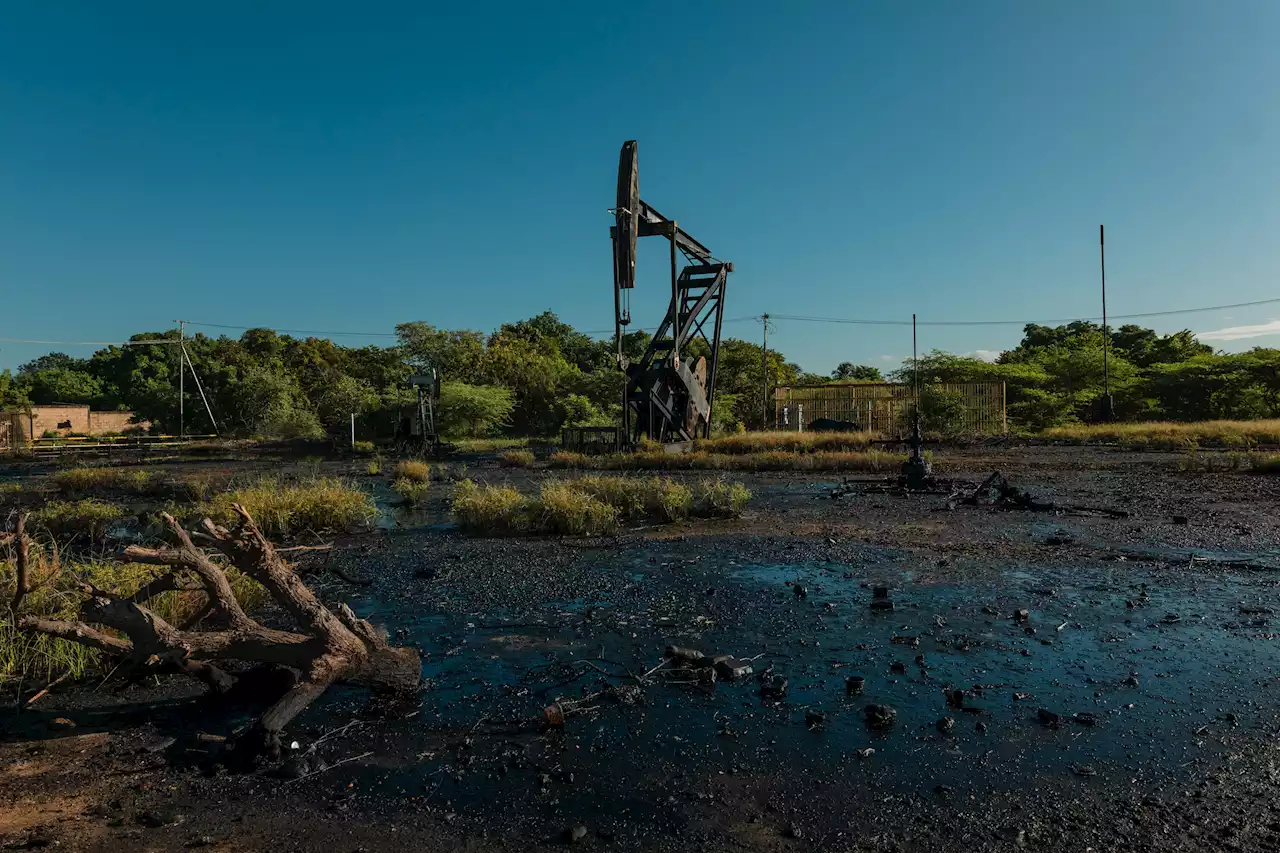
(795, 442)
(364, 448)
(517, 459)
(413, 491)
(374, 467)
(473, 409)
(637, 497)
(412, 469)
(85, 480)
(568, 459)
(90, 518)
(565, 508)
(490, 509)
(488, 445)
(718, 498)
(281, 509)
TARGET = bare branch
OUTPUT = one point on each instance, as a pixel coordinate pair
(77, 632)
(21, 555)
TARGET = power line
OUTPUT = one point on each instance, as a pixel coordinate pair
(1020, 322)
(89, 343)
(296, 331)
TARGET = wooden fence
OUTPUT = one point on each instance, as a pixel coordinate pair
(886, 407)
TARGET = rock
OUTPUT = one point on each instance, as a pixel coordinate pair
(1049, 718)
(774, 687)
(879, 717)
(1022, 615)
(793, 831)
(1086, 718)
(575, 834)
(815, 720)
(62, 723)
(865, 753)
(1083, 770)
(881, 604)
(955, 698)
(980, 726)
(854, 684)
(730, 668)
(1021, 697)
(1132, 681)
(946, 725)
(295, 767)
(202, 841)
(898, 666)
(800, 590)
(880, 592)
(688, 656)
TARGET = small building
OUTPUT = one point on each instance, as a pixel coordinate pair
(62, 419)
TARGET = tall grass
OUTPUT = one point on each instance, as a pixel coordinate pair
(1169, 435)
(516, 458)
(487, 445)
(592, 505)
(53, 595)
(413, 491)
(281, 509)
(869, 461)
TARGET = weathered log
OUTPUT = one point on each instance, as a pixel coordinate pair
(330, 647)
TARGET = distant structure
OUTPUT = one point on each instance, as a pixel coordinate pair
(63, 419)
(885, 407)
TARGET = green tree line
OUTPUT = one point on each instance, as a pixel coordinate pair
(538, 375)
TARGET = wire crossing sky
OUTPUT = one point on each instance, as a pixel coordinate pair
(357, 167)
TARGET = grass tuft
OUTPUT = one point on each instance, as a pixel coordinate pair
(872, 461)
(364, 448)
(413, 491)
(566, 508)
(720, 499)
(487, 445)
(88, 519)
(86, 480)
(412, 469)
(281, 509)
(516, 459)
(790, 442)
(374, 467)
(490, 509)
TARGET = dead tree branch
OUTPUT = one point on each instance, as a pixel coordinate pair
(329, 647)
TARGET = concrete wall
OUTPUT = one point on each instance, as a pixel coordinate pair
(66, 419)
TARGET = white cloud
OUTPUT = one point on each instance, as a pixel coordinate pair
(986, 354)
(1236, 333)
(891, 358)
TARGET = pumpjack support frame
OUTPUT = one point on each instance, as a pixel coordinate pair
(666, 397)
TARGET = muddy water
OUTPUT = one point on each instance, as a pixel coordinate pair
(1166, 662)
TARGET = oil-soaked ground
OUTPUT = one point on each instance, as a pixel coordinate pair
(1133, 705)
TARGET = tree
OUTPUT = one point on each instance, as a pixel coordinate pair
(847, 370)
(13, 396)
(63, 385)
(473, 410)
(458, 355)
(53, 361)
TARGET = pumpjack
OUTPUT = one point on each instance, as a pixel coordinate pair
(668, 396)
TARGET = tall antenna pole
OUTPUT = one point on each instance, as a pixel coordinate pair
(1109, 412)
(915, 361)
(764, 376)
(182, 350)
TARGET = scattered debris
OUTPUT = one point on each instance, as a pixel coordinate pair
(946, 725)
(815, 720)
(730, 668)
(686, 656)
(1086, 718)
(854, 685)
(773, 687)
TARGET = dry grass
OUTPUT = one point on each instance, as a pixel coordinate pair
(281, 509)
(1168, 435)
(54, 596)
(516, 459)
(592, 505)
(870, 461)
(791, 442)
(412, 469)
(1265, 463)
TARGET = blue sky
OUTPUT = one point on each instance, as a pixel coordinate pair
(350, 166)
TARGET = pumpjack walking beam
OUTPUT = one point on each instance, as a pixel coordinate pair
(666, 398)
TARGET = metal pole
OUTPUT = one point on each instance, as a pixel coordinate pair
(1110, 411)
(182, 349)
(353, 431)
(764, 377)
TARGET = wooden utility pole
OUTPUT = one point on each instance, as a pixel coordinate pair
(182, 353)
(764, 376)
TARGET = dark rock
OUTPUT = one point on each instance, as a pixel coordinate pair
(1022, 615)
(815, 720)
(881, 604)
(575, 834)
(955, 698)
(1086, 718)
(800, 590)
(793, 831)
(730, 668)
(774, 687)
(898, 666)
(879, 717)
(946, 725)
(980, 726)
(1132, 681)
(155, 818)
(1049, 718)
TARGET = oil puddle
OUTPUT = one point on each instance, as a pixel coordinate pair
(1116, 672)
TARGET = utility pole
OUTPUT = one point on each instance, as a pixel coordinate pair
(1109, 412)
(764, 376)
(182, 352)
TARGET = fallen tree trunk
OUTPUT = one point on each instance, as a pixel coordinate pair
(329, 647)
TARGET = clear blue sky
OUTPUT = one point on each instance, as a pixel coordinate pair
(349, 166)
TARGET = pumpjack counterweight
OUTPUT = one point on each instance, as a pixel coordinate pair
(668, 397)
